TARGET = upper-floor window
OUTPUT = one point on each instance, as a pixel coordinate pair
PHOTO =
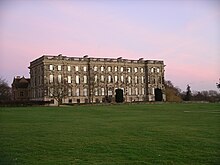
(59, 78)
(109, 78)
(142, 79)
(59, 67)
(84, 68)
(102, 68)
(122, 78)
(95, 68)
(129, 69)
(77, 68)
(135, 69)
(136, 79)
(85, 79)
(116, 78)
(109, 68)
(102, 78)
(96, 78)
(77, 79)
(51, 67)
(69, 79)
(51, 78)
(116, 68)
(158, 70)
(142, 70)
(129, 79)
(68, 68)
(122, 69)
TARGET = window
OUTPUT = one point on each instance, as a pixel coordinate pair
(77, 92)
(158, 70)
(51, 92)
(136, 91)
(136, 79)
(142, 70)
(51, 78)
(142, 79)
(135, 69)
(116, 78)
(85, 91)
(68, 68)
(69, 92)
(59, 78)
(109, 78)
(129, 79)
(77, 68)
(102, 68)
(103, 91)
(152, 91)
(85, 79)
(59, 67)
(84, 68)
(77, 79)
(96, 78)
(51, 67)
(142, 91)
(122, 79)
(21, 94)
(102, 78)
(122, 69)
(129, 91)
(95, 68)
(109, 69)
(129, 69)
(96, 91)
(69, 79)
(116, 68)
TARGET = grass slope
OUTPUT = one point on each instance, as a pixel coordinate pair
(112, 134)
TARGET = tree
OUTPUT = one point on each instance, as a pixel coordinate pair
(5, 90)
(188, 93)
(218, 84)
(172, 93)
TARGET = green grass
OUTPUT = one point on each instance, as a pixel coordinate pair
(112, 134)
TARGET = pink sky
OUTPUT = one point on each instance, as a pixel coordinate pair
(185, 34)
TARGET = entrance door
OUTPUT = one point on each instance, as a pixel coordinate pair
(119, 98)
(158, 94)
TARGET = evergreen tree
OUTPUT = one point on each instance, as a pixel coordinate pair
(188, 93)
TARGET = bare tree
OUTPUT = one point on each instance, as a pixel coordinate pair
(5, 90)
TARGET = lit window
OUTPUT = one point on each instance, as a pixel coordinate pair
(122, 79)
(129, 69)
(135, 69)
(109, 78)
(158, 70)
(51, 78)
(77, 79)
(129, 91)
(122, 69)
(77, 92)
(95, 68)
(129, 79)
(85, 91)
(116, 78)
(103, 91)
(96, 91)
(59, 78)
(84, 68)
(136, 79)
(142, 70)
(59, 67)
(102, 78)
(152, 70)
(85, 79)
(136, 91)
(109, 69)
(116, 68)
(102, 68)
(152, 91)
(77, 68)
(69, 79)
(96, 78)
(69, 92)
(142, 91)
(51, 67)
(68, 68)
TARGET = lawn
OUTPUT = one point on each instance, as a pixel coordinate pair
(111, 134)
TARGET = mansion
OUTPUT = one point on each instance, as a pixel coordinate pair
(62, 79)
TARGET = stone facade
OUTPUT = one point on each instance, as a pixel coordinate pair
(93, 80)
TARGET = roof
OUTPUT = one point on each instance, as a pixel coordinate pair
(21, 82)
